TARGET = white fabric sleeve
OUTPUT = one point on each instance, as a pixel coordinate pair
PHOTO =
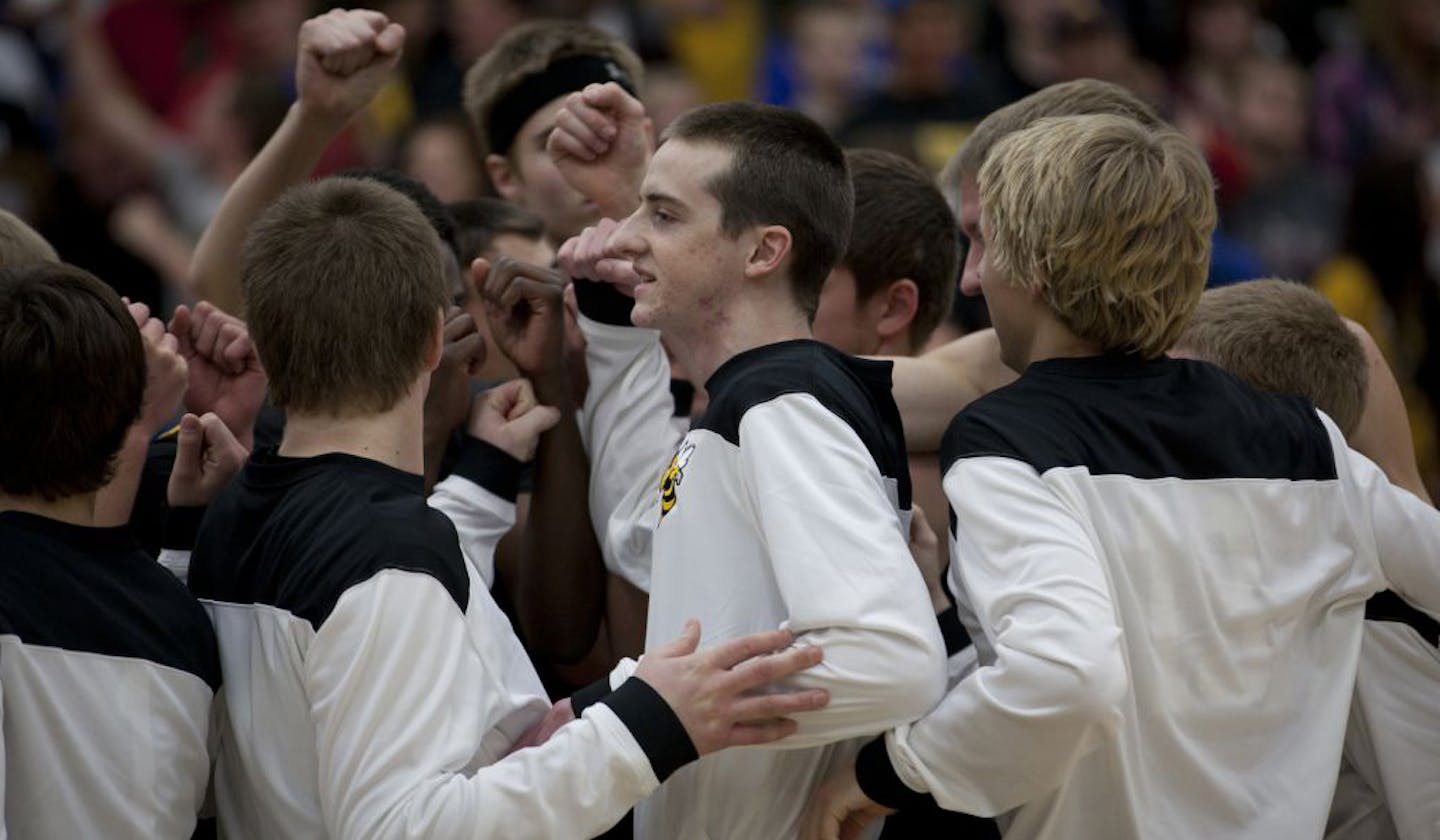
(1012, 730)
(478, 497)
(3, 832)
(176, 561)
(844, 571)
(393, 680)
(1405, 530)
(629, 435)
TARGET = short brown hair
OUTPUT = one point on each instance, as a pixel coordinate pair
(1285, 337)
(480, 220)
(72, 369)
(1066, 99)
(903, 229)
(785, 170)
(1109, 220)
(20, 244)
(343, 285)
(528, 49)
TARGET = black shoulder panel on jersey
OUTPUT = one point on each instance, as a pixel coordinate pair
(858, 391)
(1163, 418)
(297, 533)
(93, 590)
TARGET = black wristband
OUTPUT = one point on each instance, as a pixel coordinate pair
(952, 631)
(589, 695)
(602, 302)
(490, 467)
(879, 781)
(654, 724)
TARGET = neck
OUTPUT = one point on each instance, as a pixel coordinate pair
(1053, 340)
(394, 437)
(75, 510)
(746, 325)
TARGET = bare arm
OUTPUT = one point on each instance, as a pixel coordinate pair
(931, 389)
(344, 58)
(1383, 433)
(560, 577)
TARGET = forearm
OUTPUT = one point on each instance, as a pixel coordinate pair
(287, 159)
(1383, 433)
(561, 577)
(931, 389)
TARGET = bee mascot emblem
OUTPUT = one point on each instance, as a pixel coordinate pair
(674, 474)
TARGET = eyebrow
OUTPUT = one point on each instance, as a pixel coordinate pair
(656, 197)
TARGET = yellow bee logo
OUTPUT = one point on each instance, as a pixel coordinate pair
(674, 474)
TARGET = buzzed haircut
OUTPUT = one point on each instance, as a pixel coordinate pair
(343, 286)
(1108, 220)
(435, 211)
(480, 220)
(72, 369)
(1282, 336)
(522, 58)
(1066, 99)
(20, 244)
(785, 170)
(902, 229)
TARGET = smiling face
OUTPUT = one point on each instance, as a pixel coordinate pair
(528, 177)
(691, 270)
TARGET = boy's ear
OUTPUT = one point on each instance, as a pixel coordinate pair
(503, 176)
(772, 246)
(896, 306)
(436, 348)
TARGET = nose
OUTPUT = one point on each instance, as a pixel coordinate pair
(625, 241)
(970, 276)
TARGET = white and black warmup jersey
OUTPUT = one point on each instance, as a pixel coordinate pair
(107, 672)
(373, 686)
(1165, 574)
(787, 503)
(1391, 786)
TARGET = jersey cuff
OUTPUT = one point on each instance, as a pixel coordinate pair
(589, 695)
(653, 724)
(879, 781)
(182, 525)
(601, 302)
(952, 631)
(490, 467)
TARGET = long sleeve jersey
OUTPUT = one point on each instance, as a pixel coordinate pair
(1166, 574)
(787, 503)
(108, 669)
(373, 688)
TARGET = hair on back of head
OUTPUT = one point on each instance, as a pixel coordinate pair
(785, 170)
(1075, 98)
(1109, 220)
(20, 244)
(72, 367)
(1282, 336)
(478, 221)
(343, 286)
(434, 210)
(903, 229)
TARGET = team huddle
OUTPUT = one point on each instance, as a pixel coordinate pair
(678, 561)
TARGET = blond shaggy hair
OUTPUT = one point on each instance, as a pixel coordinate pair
(1108, 220)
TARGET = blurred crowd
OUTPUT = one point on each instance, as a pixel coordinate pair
(122, 122)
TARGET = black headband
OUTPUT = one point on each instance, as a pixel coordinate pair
(561, 76)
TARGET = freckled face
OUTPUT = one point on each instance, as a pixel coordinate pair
(690, 269)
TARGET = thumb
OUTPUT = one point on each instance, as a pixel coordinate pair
(479, 273)
(390, 40)
(687, 643)
(536, 421)
(218, 439)
(189, 446)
